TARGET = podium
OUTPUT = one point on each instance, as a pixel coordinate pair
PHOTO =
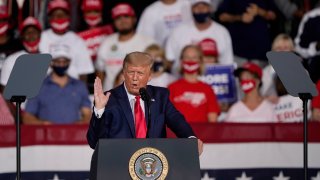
(146, 159)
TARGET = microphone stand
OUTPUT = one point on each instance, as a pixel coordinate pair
(305, 97)
(18, 100)
(146, 98)
(149, 117)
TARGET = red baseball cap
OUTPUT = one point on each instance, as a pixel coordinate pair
(91, 5)
(209, 47)
(58, 4)
(30, 21)
(3, 12)
(251, 67)
(122, 9)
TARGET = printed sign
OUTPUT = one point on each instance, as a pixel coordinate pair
(221, 79)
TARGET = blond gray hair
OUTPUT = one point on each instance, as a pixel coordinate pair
(138, 59)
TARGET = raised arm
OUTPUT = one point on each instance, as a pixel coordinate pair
(96, 128)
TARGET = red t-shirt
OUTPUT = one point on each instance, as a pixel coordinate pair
(193, 100)
(316, 100)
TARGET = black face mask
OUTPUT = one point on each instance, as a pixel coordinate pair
(157, 66)
(60, 71)
(201, 17)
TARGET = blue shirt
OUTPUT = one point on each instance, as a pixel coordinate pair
(60, 105)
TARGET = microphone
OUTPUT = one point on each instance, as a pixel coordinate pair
(146, 98)
(144, 95)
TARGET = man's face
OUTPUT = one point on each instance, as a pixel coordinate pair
(31, 34)
(136, 77)
(60, 62)
(125, 23)
(59, 14)
(201, 8)
(92, 13)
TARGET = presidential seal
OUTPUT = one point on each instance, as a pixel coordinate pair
(148, 164)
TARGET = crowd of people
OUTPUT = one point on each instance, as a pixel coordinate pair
(89, 38)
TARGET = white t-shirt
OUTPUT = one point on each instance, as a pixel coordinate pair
(8, 66)
(112, 52)
(163, 80)
(289, 109)
(239, 112)
(159, 19)
(268, 84)
(81, 61)
(186, 34)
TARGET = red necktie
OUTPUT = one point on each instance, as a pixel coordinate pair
(141, 127)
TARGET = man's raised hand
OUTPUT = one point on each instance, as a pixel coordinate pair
(100, 99)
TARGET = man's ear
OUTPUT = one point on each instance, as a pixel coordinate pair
(149, 76)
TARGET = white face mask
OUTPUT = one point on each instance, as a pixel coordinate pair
(4, 28)
(31, 47)
(248, 85)
(60, 25)
(93, 20)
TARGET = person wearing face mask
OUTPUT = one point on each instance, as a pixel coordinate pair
(61, 99)
(253, 107)
(115, 47)
(30, 31)
(209, 51)
(8, 44)
(94, 32)
(200, 28)
(193, 98)
(59, 20)
(159, 76)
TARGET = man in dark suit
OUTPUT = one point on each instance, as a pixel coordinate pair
(115, 112)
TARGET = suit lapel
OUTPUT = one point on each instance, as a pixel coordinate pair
(125, 105)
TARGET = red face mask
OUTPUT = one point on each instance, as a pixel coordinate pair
(60, 25)
(4, 28)
(31, 47)
(93, 20)
(248, 85)
(190, 67)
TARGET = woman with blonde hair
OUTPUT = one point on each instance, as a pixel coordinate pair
(193, 98)
(282, 42)
(159, 76)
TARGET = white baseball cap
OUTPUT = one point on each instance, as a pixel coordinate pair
(60, 51)
(193, 2)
